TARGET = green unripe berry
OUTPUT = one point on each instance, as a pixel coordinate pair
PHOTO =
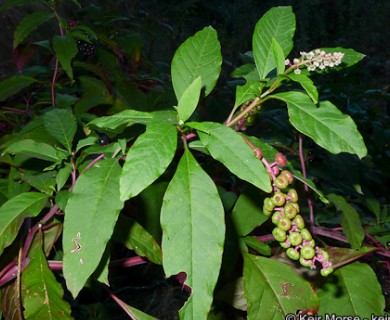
(288, 175)
(290, 211)
(305, 263)
(295, 205)
(285, 244)
(281, 182)
(326, 272)
(276, 217)
(325, 254)
(278, 199)
(306, 234)
(307, 252)
(279, 235)
(284, 224)
(268, 205)
(311, 243)
(299, 222)
(266, 212)
(293, 254)
(249, 120)
(292, 193)
(295, 238)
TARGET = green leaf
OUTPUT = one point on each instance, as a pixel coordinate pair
(126, 118)
(90, 218)
(61, 124)
(249, 90)
(135, 237)
(350, 58)
(352, 290)
(62, 176)
(273, 289)
(326, 125)
(134, 313)
(199, 55)
(28, 24)
(13, 3)
(44, 182)
(189, 100)
(247, 213)
(278, 55)
(65, 48)
(228, 147)
(279, 24)
(341, 256)
(352, 226)
(192, 219)
(147, 159)
(261, 247)
(42, 294)
(13, 85)
(306, 84)
(36, 149)
(15, 210)
(247, 71)
(10, 302)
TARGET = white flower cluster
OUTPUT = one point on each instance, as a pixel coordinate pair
(315, 59)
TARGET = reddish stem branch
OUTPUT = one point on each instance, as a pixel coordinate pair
(53, 83)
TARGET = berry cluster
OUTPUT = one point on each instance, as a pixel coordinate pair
(290, 229)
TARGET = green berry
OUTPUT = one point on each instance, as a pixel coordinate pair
(326, 272)
(266, 212)
(311, 243)
(295, 238)
(290, 211)
(307, 252)
(285, 244)
(305, 263)
(276, 217)
(293, 194)
(278, 199)
(325, 254)
(299, 222)
(279, 234)
(284, 224)
(295, 205)
(306, 234)
(281, 182)
(280, 159)
(268, 204)
(288, 175)
(292, 254)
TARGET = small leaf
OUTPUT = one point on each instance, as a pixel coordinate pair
(199, 55)
(352, 226)
(126, 117)
(28, 24)
(247, 71)
(309, 183)
(192, 219)
(249, 90)
(147, 159)
(65, 48)
(278, 55)
(61, 124)
(189, 100)
(326, 125)
(306, 84)
(13, 85)
(226, 146)
(15, 210)
(279, 24)
(255, 244)
(352, 290)
(92, 210)
(273, 289)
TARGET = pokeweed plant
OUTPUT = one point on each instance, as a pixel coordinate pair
(71, 172)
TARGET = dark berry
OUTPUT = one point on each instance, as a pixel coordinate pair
(280, 159)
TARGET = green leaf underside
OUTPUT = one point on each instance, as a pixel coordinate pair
(147, 159)
(274, 290)
(14, 211)
(199, 55)
(61, 124)
(351, 223)
(326, 125)
(306, 84)
(279, 24)
(65, 48)
(228, 147)
(13, 85)
(28, 24)
(42, 294)
(189, 100)
(192, 220)
(352, 290)
(90, 217)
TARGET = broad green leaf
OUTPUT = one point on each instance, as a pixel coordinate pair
(36, 149)
(306, 84)
(28, 24)
(147, 159)
(90, 217)
(199, 55)
(342, 256)
(42, 294)
(135, 237)
(249, 90)
(62, 176)
(189, 100)
(247, 213)
(261, 247)
(192, 219)
(279, 24)
(326, 125)
(278, 55)
(13, 85)
(124, 118)
(273, 289)
(15, 210)
(351, 223)
(13, 3)
(61, 124)
(247, 71)
(65, 48)
(352, 290)
(44, 182)
(350, 58)
(226, 146)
